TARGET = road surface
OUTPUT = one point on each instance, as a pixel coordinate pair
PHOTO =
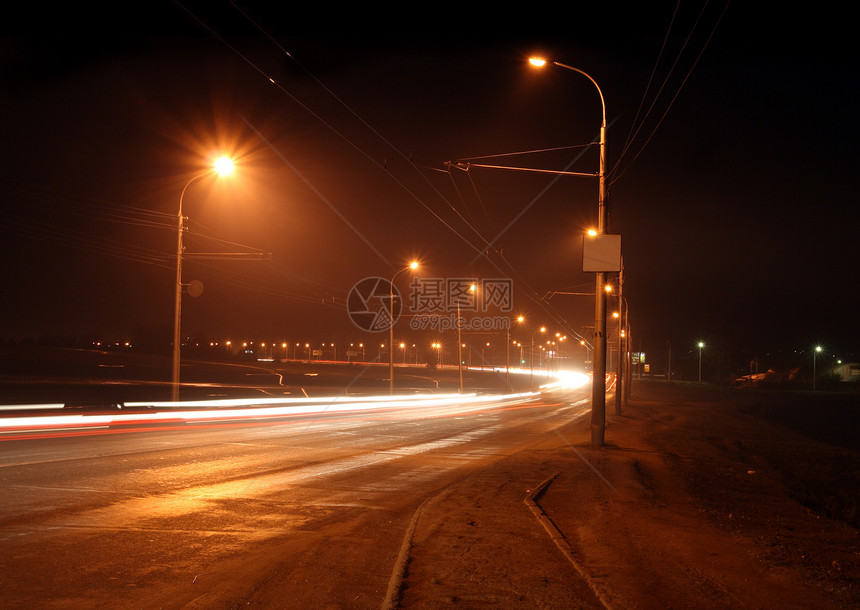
(211, 513)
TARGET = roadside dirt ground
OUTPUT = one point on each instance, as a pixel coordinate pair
(703, 497)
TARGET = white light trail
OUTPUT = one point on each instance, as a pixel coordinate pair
(248, 409)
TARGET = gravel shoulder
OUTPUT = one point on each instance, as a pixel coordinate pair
(702, 497)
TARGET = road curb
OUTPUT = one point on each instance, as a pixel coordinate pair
(531, 501)
(395, 582)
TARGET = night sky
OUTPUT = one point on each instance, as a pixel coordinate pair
(732, 147)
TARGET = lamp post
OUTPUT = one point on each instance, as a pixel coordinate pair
(619, 365)
(472, 288)
(542, 329)
(598, 391)
(621, 391)
(701, 345)
(519, 320)
(413, 265)
(814, 356)
(222, 166)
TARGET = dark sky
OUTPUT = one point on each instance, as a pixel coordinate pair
(736, 199)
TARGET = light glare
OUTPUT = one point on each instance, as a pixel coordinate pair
(224, 166)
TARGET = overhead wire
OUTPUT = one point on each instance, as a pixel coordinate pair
(484, 249)
(479, 250)
(633, 126)
(376, 162)
(618, 173)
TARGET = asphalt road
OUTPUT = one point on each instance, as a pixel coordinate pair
(312, 506)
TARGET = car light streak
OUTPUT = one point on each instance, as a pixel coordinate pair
(238, 411)
(149, 416)
(33, 407)
(566, 380)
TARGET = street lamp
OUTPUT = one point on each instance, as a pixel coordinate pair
(413, 265)
(518, 320)
(472, 288)
(814, 355)
(542, 329)
(701, 345)
(598, 391)
(222, 166)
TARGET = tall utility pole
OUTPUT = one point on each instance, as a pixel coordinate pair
(629, 366)
(222, 166)
(459, 347)
(413, 265)
(598, 391)
(619, 364)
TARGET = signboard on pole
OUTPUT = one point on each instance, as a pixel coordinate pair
(601, 253)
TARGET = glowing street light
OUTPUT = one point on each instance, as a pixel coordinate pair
(413, 265)
(438, 347)
(222, 166)
(701, 345)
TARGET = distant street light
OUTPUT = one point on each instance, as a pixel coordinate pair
(222, 166)
(413, 265)
(598, 392)
(472, 288)
(814, 356)
(542, 329)
(701, 345)
(518, 320)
